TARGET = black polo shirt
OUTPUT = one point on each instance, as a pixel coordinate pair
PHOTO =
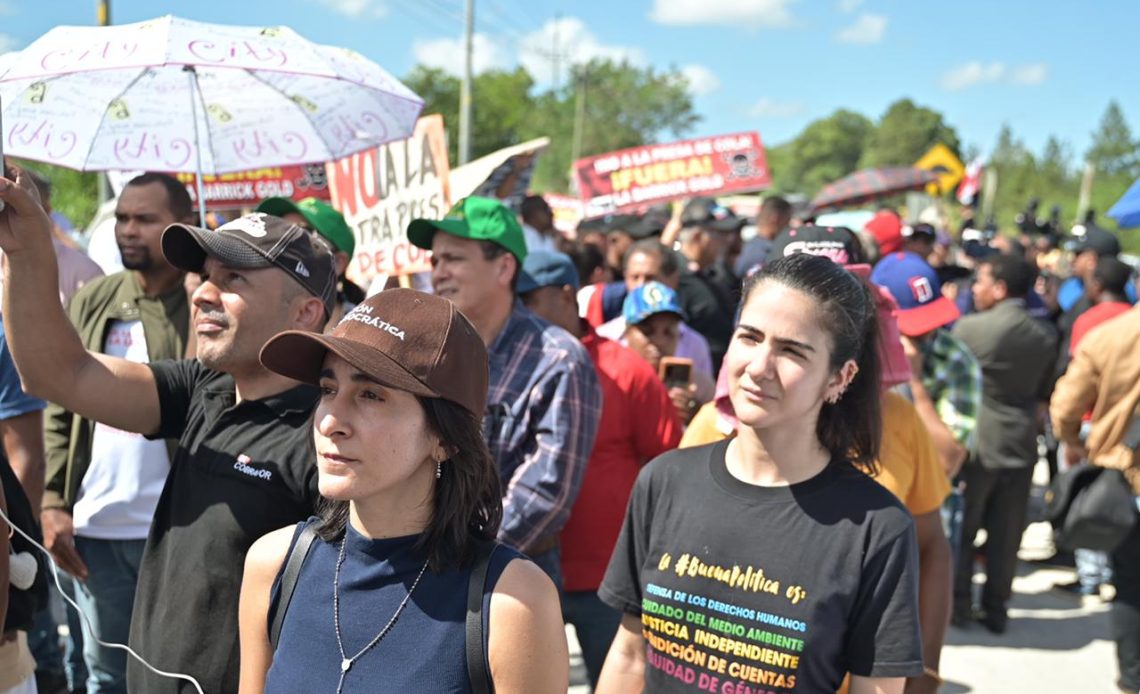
(240, 471)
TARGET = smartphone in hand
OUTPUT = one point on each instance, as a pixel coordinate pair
(676, 371)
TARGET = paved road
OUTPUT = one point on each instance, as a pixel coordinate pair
(1054, 644)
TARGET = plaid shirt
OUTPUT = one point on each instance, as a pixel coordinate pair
(952, 377)
(543, 408)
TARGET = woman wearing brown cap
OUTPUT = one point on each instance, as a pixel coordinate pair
(380, 602)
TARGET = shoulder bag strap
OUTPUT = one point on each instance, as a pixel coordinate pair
(476, 658)
(289, 576)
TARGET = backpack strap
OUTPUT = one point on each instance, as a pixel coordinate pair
(293, 564)
(476, 657)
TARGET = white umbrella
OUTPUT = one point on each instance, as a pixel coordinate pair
(175, 95)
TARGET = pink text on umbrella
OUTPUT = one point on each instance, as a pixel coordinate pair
(57, 144)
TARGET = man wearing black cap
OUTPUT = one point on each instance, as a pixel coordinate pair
(708, 230)
(243, 465)
(1088, 248)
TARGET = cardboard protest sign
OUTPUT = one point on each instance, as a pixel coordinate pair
(379, 191)
(641, 176)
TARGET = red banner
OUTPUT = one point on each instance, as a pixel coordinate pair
(640, 176)
(248, 188)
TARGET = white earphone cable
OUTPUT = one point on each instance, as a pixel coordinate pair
(88, 630)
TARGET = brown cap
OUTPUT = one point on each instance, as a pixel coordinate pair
(402, 338)
(255, 241)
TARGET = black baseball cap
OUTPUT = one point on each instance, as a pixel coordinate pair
(710, 214)
(257, 240)
(1103, 242)
(837, 243)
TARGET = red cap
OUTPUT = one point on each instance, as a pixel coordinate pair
(886, 227)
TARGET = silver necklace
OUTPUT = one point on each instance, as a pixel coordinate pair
(346, 663)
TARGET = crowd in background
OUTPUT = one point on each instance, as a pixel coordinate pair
(160, 442)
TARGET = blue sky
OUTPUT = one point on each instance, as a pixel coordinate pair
(769, 65)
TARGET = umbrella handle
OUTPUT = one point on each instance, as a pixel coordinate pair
(3, 168)
(195, 97)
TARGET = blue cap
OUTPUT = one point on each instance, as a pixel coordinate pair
(649, 299)
(546, 269)
(914, 285)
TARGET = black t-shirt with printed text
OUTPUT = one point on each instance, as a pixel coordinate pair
(743, 589)
(240, 471)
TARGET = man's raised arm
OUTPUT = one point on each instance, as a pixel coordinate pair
(51, 359)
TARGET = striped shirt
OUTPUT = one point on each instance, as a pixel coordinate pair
(543, 407)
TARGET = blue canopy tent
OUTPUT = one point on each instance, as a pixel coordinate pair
(1126, 211)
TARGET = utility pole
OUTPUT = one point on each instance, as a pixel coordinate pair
(556, 80)
(579, 118)
(1085, 199)
(103, 18)
(465, 87)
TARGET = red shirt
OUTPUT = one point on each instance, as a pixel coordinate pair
(638, 423)
(1094, 317)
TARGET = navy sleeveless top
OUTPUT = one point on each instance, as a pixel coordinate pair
(424, 651)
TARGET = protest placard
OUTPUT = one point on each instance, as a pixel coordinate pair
(640, 176)
(380, 190)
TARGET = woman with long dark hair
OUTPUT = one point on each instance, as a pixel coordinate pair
(381, 600)
(770, 562)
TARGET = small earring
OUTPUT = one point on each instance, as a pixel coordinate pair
(438, 469)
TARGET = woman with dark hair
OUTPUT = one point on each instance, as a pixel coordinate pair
(770, 561)
(381, 598)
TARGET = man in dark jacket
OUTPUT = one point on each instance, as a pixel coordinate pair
(1016, 353)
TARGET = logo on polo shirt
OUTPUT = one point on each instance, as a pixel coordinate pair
(363, 314)
(243, 466)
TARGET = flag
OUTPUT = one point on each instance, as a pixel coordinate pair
(971, 185)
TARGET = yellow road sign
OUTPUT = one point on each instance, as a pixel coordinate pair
(949, 167)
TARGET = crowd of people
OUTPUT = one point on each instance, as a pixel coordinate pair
(734, 455)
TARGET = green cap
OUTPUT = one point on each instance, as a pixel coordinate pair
(322, 217)
(481, 219)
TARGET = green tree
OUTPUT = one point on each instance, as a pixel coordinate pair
(904, 133)
(501, 103)
(1113, 151)
(74, 193)
(624, 106)
(826, 150)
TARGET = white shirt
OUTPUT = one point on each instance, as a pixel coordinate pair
(120, 490)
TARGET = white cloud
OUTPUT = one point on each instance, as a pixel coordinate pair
(1029, 74)
(867, 29)
(701, 79)
(574, 43)
(358, 9)
(8, 43)
(755, 13)
(448, 54)
(849, 6)
(975, 73)
(769, 108)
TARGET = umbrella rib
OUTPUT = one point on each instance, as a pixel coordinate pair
(94, 137)
(305, 115)
(206, 123)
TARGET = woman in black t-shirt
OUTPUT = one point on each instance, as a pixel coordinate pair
(768, 562)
